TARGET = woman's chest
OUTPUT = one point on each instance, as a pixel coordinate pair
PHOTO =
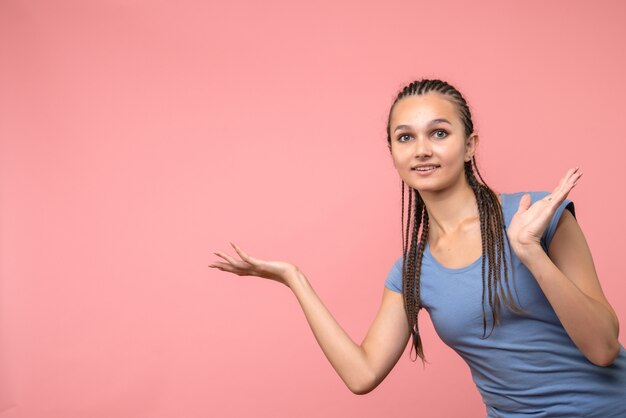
(458, 303)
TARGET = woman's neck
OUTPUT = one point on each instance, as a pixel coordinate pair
(450, 210)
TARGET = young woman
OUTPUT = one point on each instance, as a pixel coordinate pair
(507, 279)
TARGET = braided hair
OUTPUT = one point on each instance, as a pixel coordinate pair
(495, 268)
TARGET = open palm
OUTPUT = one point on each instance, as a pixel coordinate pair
(530, 221)
(250, 266)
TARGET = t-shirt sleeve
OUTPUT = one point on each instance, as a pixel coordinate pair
(551, 229)
(394, 278)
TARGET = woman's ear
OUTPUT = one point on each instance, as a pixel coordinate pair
(471, 143)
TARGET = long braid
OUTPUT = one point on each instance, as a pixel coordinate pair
(494, 265)
(412, 256)
(508, 297)
(405, 242)
(417, 340)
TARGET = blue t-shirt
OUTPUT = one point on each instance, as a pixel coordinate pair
(528, 366)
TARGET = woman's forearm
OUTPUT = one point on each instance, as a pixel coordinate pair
(347, 358)
(591, 326)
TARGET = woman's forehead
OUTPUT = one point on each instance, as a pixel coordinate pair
(423, 108)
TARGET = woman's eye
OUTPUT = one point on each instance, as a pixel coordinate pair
(440, 134)
(404, 137)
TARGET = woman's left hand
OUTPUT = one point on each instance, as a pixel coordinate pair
(530, 221)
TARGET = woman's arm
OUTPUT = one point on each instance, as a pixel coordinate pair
(361, 367)
(568, 279)
(566, 274)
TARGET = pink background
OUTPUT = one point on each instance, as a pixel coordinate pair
(139, 136)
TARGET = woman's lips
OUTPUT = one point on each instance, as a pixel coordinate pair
(425, 170)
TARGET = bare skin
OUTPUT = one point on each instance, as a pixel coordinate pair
(566, 273)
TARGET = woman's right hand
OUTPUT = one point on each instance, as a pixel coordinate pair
(250, 266)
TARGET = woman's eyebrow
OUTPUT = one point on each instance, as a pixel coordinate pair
(432, 122)
(439, 120)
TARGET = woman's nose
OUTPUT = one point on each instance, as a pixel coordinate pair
(422, 147)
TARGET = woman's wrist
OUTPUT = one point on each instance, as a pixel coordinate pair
(529, 253)
(294, 277)
(535, 259)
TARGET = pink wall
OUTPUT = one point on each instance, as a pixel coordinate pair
(138, 137)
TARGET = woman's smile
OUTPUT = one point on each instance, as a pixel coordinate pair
(425, 169)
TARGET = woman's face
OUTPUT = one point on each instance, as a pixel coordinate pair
(428, 143)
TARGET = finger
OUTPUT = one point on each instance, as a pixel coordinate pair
(580, 174)
(226, 267)
(565, 185)
(572, 181)
(572, 175)
(227, 258)
(524, 203)
(564, 181)
(569, 182)
(245, 257)
(233, 262)
(218, 265)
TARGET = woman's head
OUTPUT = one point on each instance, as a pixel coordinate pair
(430, 135)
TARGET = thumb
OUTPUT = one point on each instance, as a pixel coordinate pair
(524, 204)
